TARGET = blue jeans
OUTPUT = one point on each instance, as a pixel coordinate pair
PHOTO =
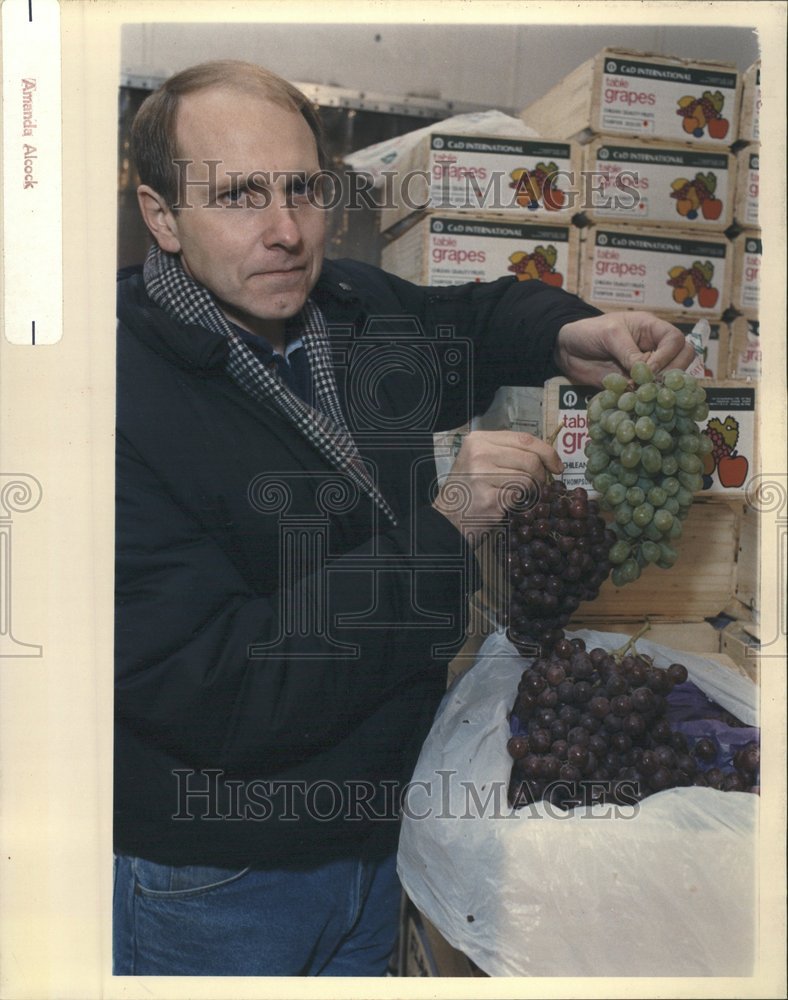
(336, 920)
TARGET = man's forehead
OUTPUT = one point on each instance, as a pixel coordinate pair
(225, 117)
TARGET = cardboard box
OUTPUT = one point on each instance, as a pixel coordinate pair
(662, 184)
(620, 92)
(745, 349)
(657, 270)
(731, 412)
(452, 249)
(745, 209)
(425, 952)
(747, 261)
(526, 179)
(741, 642)
(749, 121)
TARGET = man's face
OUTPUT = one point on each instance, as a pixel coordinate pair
(260, 262)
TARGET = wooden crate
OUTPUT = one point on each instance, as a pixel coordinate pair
(621, 92)
(692, 637)
(745, 349)
(699, 586)
(450, 249)
(702, 584)
(745, 208)
(716, 571)
(747, 263)
(484, 175)
(747, 576)
(750, 114)
(654, 269)
(633, 181)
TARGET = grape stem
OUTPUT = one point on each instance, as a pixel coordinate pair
(622, 651)
(556, 432)
(551, 441)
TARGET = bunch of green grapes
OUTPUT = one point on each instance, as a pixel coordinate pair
(645, 456)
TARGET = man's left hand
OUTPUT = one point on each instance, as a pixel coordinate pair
(588, 349)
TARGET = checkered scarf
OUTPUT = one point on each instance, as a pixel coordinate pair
(189, 302)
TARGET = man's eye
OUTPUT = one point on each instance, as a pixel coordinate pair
(299, 188)
(235, 196)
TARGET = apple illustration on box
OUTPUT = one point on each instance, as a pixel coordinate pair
(731, 468)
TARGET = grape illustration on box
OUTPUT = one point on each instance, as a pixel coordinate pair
(537, 187)
(697, 196)
(691, 283)
(537, 265)
(731, 468)
(701, 113)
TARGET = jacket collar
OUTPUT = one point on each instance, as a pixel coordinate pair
(195, 348)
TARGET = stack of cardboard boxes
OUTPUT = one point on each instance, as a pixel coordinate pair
(670, 226)
(476, 208)
(745, 352)
(661, 184)
(641, 193)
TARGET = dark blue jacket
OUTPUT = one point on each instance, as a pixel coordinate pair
(280, 653)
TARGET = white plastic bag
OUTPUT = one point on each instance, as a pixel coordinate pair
(662, 888)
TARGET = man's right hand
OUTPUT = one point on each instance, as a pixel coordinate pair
(490, 466)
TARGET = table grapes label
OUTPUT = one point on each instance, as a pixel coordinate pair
(674, 186)
(748, 356)
(664, 274)
(469, 250)
(479, 174)
(751, 273)
(572, 404)
(730, 425)
(667, 101)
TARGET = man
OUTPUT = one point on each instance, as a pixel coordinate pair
(289, 585)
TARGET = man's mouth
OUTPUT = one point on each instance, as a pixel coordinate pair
(280, 271)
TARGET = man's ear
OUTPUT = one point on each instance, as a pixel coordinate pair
(159, 219)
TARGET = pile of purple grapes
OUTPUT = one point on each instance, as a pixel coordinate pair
(590, 729)
(558, 557)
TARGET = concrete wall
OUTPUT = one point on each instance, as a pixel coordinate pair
(503, 66)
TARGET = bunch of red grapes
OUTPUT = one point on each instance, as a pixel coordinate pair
(720, 448)
(558, 557)
(589, 728)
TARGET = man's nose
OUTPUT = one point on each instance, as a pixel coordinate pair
(281, 224)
